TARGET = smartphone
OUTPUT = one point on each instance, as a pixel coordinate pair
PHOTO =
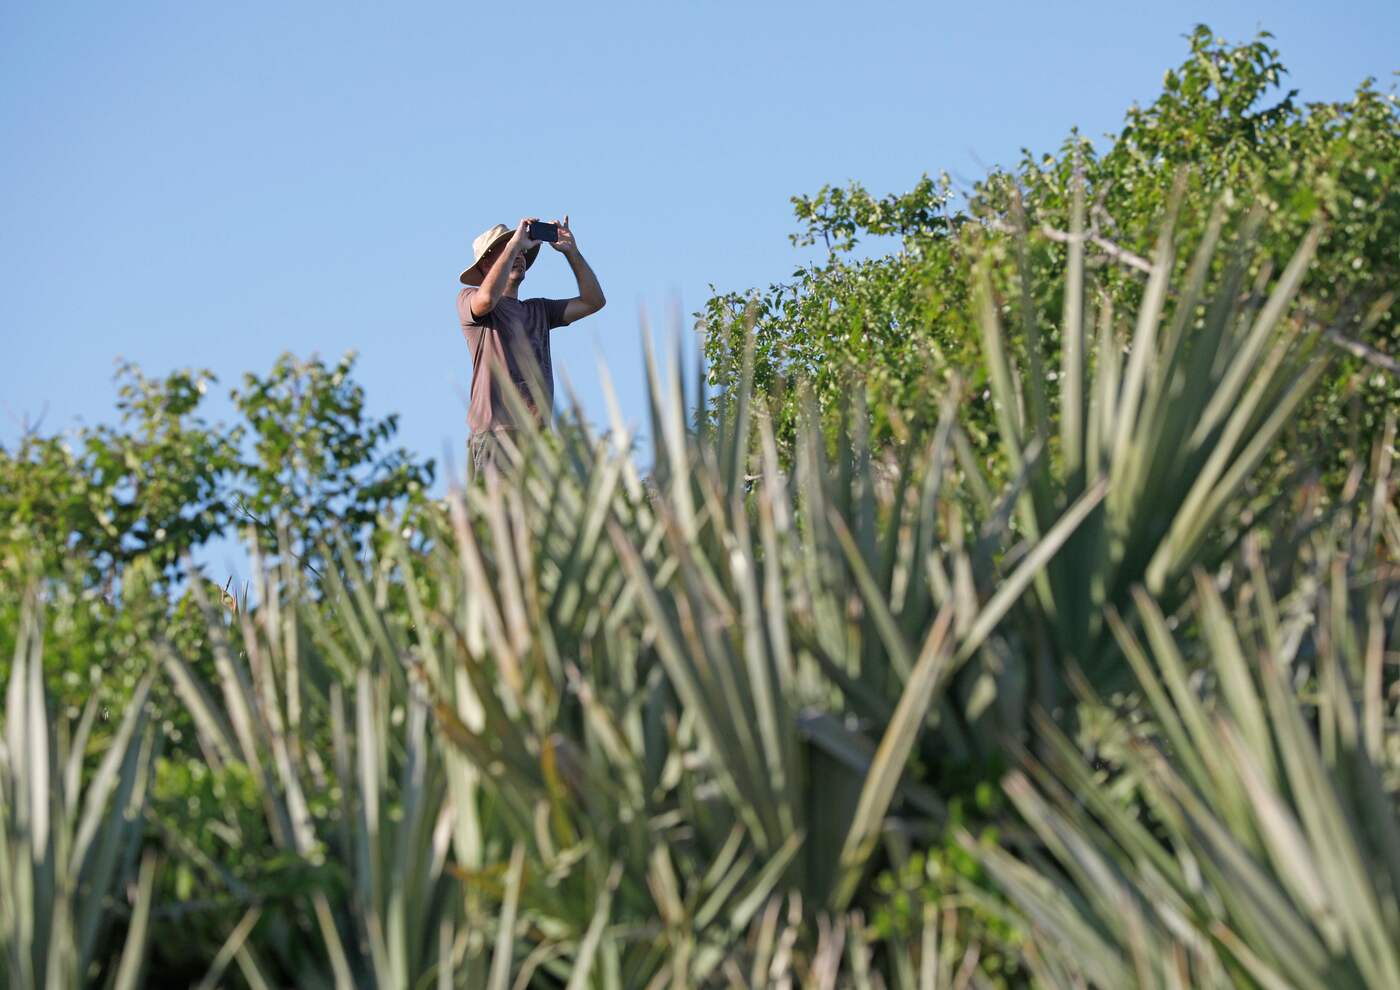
(540, 231)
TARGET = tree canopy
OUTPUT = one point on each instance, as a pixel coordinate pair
(164, 480)
(1222, 133)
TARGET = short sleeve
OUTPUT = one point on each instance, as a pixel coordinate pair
(554, 312)
(464, 307)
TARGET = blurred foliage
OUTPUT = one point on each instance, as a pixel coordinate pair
(1258, 840)
(741, 722)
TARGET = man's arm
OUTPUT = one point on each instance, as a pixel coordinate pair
(590, 294)
(493, 286)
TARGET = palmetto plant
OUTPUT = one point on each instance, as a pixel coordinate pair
(733, 616)
(1178, 424)
(70, 836)
(1265, 849)
(576, 726)
(659, 703)
(321, 724)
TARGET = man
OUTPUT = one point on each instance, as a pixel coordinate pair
(508, 336)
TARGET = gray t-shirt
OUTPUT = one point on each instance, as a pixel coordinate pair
(513, 338)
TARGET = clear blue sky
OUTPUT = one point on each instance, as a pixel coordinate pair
(207, 185)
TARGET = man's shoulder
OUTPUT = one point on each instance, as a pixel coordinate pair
(464, 308)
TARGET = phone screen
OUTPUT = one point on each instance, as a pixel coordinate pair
(540, 231)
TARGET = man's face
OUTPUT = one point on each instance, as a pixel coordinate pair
(517, 269)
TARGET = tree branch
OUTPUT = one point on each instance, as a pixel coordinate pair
(1091, 236)
(1367, 353)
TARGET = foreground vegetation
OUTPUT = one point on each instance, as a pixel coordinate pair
(1091, 681)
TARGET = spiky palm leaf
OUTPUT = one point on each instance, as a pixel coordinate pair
(69, 837)
(1266, 851)
(668, 699)
(1178, 423)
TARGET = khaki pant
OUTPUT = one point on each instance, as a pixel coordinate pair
(483, 449)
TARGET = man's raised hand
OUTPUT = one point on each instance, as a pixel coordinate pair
(565, 242)
(522, 234)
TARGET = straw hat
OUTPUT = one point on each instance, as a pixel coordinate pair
(485, 242)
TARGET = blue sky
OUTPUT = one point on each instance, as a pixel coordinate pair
(208, 185)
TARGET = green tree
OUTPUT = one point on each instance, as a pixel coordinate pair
(165, 480)
(901, 322)
(104, 516)
(153, 486)
(320, 464)
(102, 519)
